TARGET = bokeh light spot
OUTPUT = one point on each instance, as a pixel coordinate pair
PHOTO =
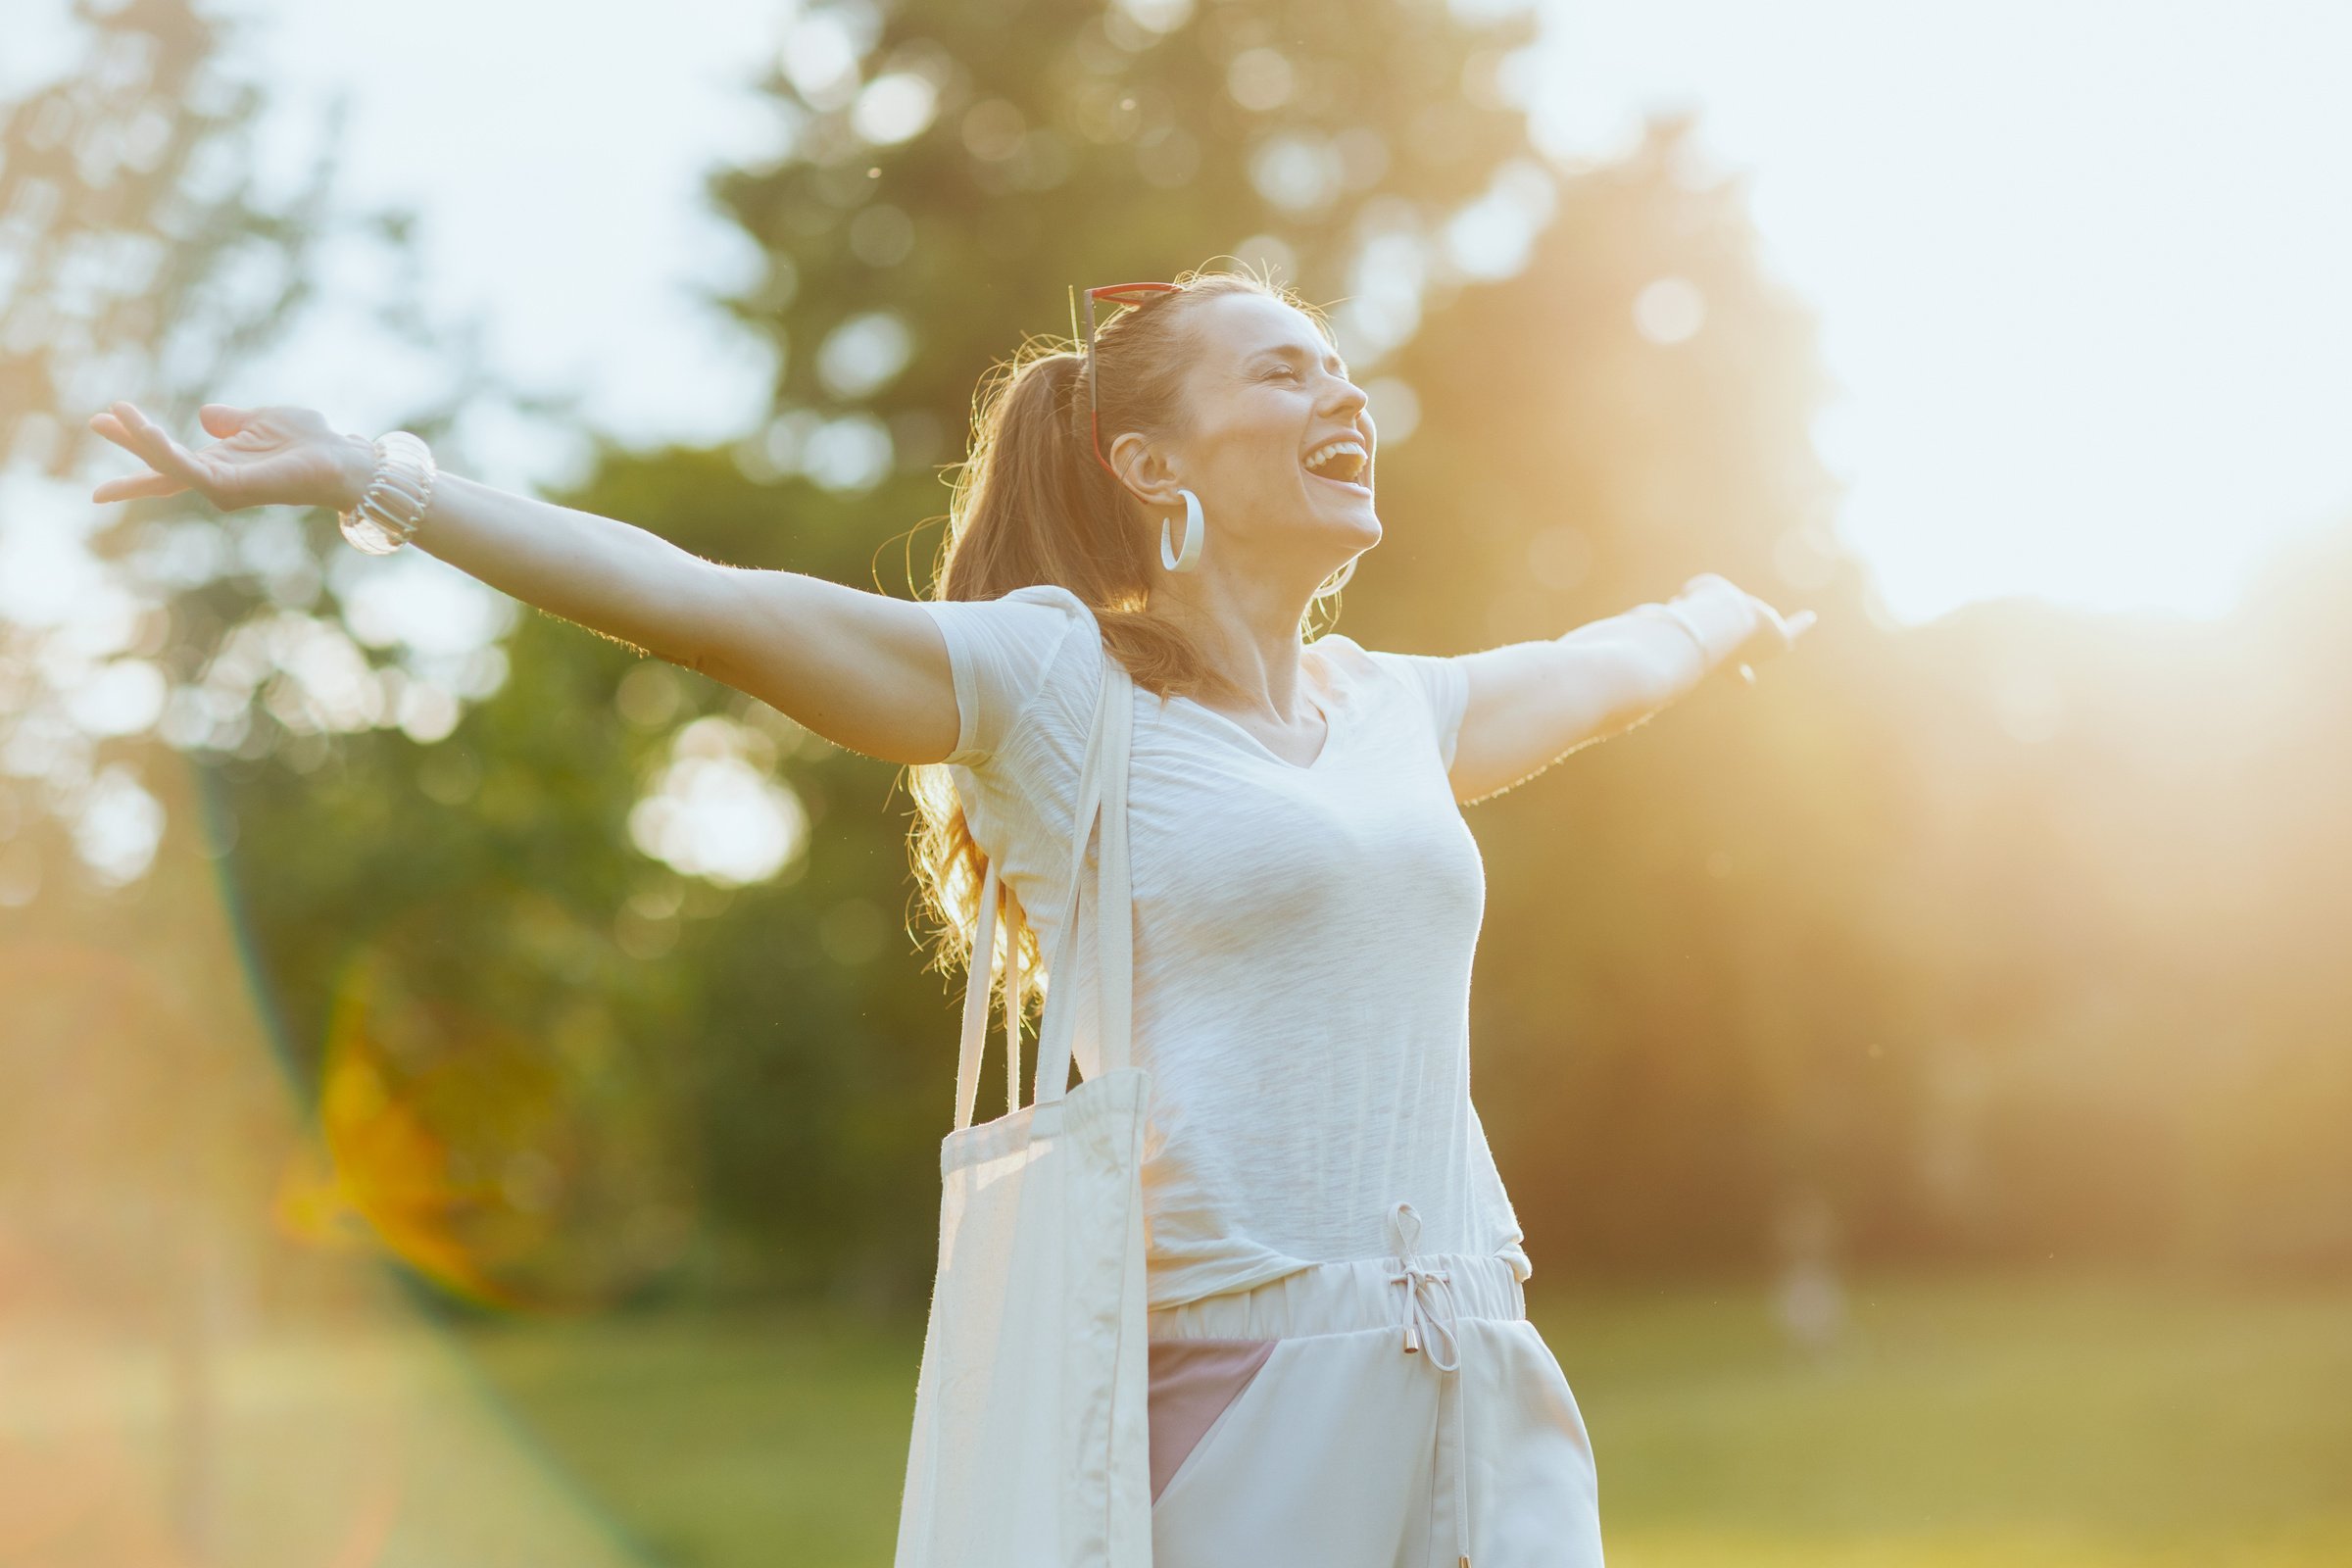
(1670, 310)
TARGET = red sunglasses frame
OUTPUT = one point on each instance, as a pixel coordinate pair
(1115, 293)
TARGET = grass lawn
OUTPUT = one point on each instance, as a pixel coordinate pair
(2062, 1422)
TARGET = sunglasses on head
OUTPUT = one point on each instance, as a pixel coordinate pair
(1116, 294)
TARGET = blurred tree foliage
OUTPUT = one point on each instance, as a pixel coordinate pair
(142, 255)
(136, 258)
(130, 205)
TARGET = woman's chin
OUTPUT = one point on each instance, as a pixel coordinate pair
(1369, 533)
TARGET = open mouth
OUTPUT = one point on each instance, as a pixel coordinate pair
(1345, 463)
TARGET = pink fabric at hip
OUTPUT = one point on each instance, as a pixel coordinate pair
(1193, 1380)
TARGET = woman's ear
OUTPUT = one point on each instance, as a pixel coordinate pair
(1146, 470)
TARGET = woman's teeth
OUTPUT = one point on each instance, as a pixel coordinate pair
(1346, 460)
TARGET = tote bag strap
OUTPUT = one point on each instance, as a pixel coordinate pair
(1103, 792)
(975, 1042)
(1116, 937)
(1115, 889)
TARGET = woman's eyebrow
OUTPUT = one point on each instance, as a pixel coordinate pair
(1292, 350)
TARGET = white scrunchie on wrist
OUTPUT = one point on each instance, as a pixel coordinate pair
(1716, 614)
(1726, 615)
(1668, 612)
(397, 495)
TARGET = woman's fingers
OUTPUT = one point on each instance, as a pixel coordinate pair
(1785, 633)
(173, 469)
(1791, 628)
(138, 487)
(131, 486)
(221, 420)
(1775, 634)
(153, 442)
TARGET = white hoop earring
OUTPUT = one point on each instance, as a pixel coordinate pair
(1332, 585)
(1195, 533)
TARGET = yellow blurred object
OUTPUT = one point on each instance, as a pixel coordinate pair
(513, 1167)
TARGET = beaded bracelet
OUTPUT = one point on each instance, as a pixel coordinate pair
(396, 497)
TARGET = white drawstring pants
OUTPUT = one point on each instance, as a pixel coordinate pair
(1384, 1414)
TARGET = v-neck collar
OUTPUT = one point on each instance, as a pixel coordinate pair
(1331, 711)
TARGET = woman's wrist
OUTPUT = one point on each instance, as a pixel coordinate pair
(398, 494)
(1667, 614)
(355, 466)
(1720, 616)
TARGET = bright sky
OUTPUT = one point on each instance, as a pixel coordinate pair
(2084, 269)
(2081, 266)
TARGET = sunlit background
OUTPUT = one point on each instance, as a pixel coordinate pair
(467, 1094)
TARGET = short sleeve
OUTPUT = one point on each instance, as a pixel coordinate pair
(1000, 650)
(1444, 688)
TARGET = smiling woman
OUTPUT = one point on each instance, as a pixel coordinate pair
(1331, 1264)
(1284, 792)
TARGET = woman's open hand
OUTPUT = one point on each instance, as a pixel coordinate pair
(276, 457)
(1773, 634)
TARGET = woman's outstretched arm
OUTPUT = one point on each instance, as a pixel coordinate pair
(863, 669)
(1530, 704)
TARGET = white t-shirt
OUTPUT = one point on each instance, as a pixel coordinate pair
(1303, 939)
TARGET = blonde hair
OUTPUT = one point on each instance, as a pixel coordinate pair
(1032, 506)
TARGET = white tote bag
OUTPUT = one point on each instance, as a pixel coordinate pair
(1031, 1441)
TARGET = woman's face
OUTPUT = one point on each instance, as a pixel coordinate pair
(1265, 393)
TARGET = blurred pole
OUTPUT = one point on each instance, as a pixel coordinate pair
(1809, 1300)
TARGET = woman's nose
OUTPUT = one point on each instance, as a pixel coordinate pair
(1347, 395)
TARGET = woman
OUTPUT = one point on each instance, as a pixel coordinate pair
(1342, 1374)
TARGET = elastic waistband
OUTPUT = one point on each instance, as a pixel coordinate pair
(1340, 1298)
